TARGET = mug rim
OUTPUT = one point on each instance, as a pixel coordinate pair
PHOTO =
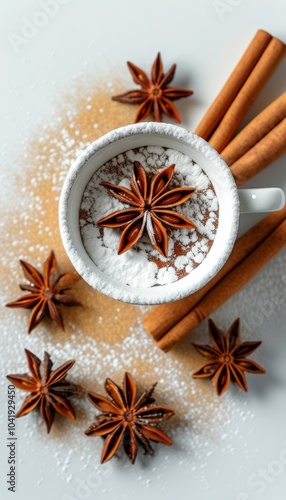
(126, 138)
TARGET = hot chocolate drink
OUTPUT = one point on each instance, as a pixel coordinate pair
(143, 265)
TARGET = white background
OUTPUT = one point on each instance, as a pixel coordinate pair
(205, 38)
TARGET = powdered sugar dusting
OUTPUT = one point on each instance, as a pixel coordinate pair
(143, 266)
(213, 437)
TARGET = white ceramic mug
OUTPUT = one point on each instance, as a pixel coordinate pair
(232, 202)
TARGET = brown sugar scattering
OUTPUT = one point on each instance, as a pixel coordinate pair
(46, 292)
(227, 358)
(155, 97)
(49, 389)
(151, 204)
(128, 419)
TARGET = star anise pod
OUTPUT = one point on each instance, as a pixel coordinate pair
(150, 210)
(227, 358)
(49, 389)
(155, 97)
(46, 292)
(126, 418)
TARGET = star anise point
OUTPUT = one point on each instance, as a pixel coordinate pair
(150, 210)
(155, 97)
(49, 390)
(128, 419)
(227, 356)
(47, 291)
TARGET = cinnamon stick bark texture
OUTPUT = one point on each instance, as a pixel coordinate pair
(224, 116)
(258, 128)
(233, 85)
(159, 322)
(227, 287)
(261, 73)
(257, 146)
(265, 152)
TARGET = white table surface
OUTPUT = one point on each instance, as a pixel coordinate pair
(246, 457)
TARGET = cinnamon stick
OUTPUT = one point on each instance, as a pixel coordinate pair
(259, 144)
(161, 319)
(252, 133)
(233, 85)
(261, 73)
(227, 287)
(265, 152)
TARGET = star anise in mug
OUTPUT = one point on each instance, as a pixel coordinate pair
(48, 388)
(155, 97)
(151, 204)
(46, 292)
(227, 358)
(128, 419)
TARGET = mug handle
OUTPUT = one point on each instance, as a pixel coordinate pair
(255, 200)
